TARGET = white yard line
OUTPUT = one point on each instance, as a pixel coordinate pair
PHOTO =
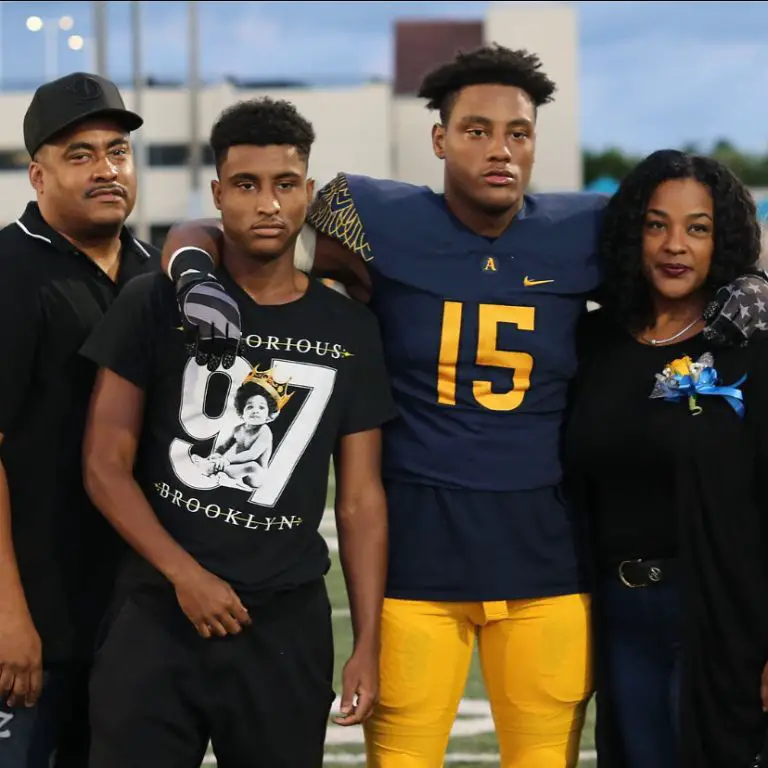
(340, 758)
(474, 719)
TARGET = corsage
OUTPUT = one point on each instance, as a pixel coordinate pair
(682, 379)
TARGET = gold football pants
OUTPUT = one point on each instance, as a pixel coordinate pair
(534, 656)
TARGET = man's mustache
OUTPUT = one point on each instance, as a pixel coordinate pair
(107, 189)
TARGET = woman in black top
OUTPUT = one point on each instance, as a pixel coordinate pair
(667, 446)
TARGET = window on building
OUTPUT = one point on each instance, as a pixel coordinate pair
(174, 155)
(158, 233)
(14, 159)
(167, 154)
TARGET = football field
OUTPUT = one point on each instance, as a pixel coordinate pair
(473, 743)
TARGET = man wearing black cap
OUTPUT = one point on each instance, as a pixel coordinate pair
(61, 265)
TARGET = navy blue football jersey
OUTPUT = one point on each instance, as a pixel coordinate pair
(479, 333)
(479, 341)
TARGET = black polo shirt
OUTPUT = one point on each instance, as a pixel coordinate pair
(51, 297)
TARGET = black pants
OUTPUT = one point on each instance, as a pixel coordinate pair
(160, 692)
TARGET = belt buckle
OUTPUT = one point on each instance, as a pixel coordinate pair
(621, 574)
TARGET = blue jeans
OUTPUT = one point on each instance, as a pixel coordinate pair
(54, 733)
(642, 638)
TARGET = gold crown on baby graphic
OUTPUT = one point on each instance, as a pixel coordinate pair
(278, 391)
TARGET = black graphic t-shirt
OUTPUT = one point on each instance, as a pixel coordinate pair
(235, 462)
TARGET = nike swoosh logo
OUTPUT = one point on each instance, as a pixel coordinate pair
(527, 282)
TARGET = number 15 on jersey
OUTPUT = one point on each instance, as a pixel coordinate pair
(520, 364)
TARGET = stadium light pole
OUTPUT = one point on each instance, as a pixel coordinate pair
(195, 147)
(2, 71)
(100, 37)
(139, 146)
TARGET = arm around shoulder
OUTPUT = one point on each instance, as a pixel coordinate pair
(209, 315)
(341, 249)
(334, 261)
(184, 238)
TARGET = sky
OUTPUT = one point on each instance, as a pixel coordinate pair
(652, 74)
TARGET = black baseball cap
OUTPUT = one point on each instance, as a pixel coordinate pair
(62, 103)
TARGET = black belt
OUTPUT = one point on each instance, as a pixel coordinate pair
(645, 573)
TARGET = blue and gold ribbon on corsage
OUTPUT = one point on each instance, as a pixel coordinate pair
(682, 379)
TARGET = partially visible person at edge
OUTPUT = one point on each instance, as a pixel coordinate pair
(478, 292)
(61, 265)
(667, 445)
(224, 635)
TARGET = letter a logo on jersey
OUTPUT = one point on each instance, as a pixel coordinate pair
(490, 265)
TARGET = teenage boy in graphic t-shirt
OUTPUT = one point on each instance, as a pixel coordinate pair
(217, 480)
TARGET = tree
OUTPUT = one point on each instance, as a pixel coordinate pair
(612, 163)
(752, 169)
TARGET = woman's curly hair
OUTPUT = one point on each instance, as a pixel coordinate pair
(625, 292)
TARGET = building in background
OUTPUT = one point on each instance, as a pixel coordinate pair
(379, 129)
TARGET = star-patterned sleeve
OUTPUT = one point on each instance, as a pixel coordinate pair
(738, 310)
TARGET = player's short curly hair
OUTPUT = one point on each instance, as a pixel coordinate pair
(626, 293)
(261, 122)
(491, 64)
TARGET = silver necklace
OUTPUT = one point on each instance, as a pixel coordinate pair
(656, 342)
